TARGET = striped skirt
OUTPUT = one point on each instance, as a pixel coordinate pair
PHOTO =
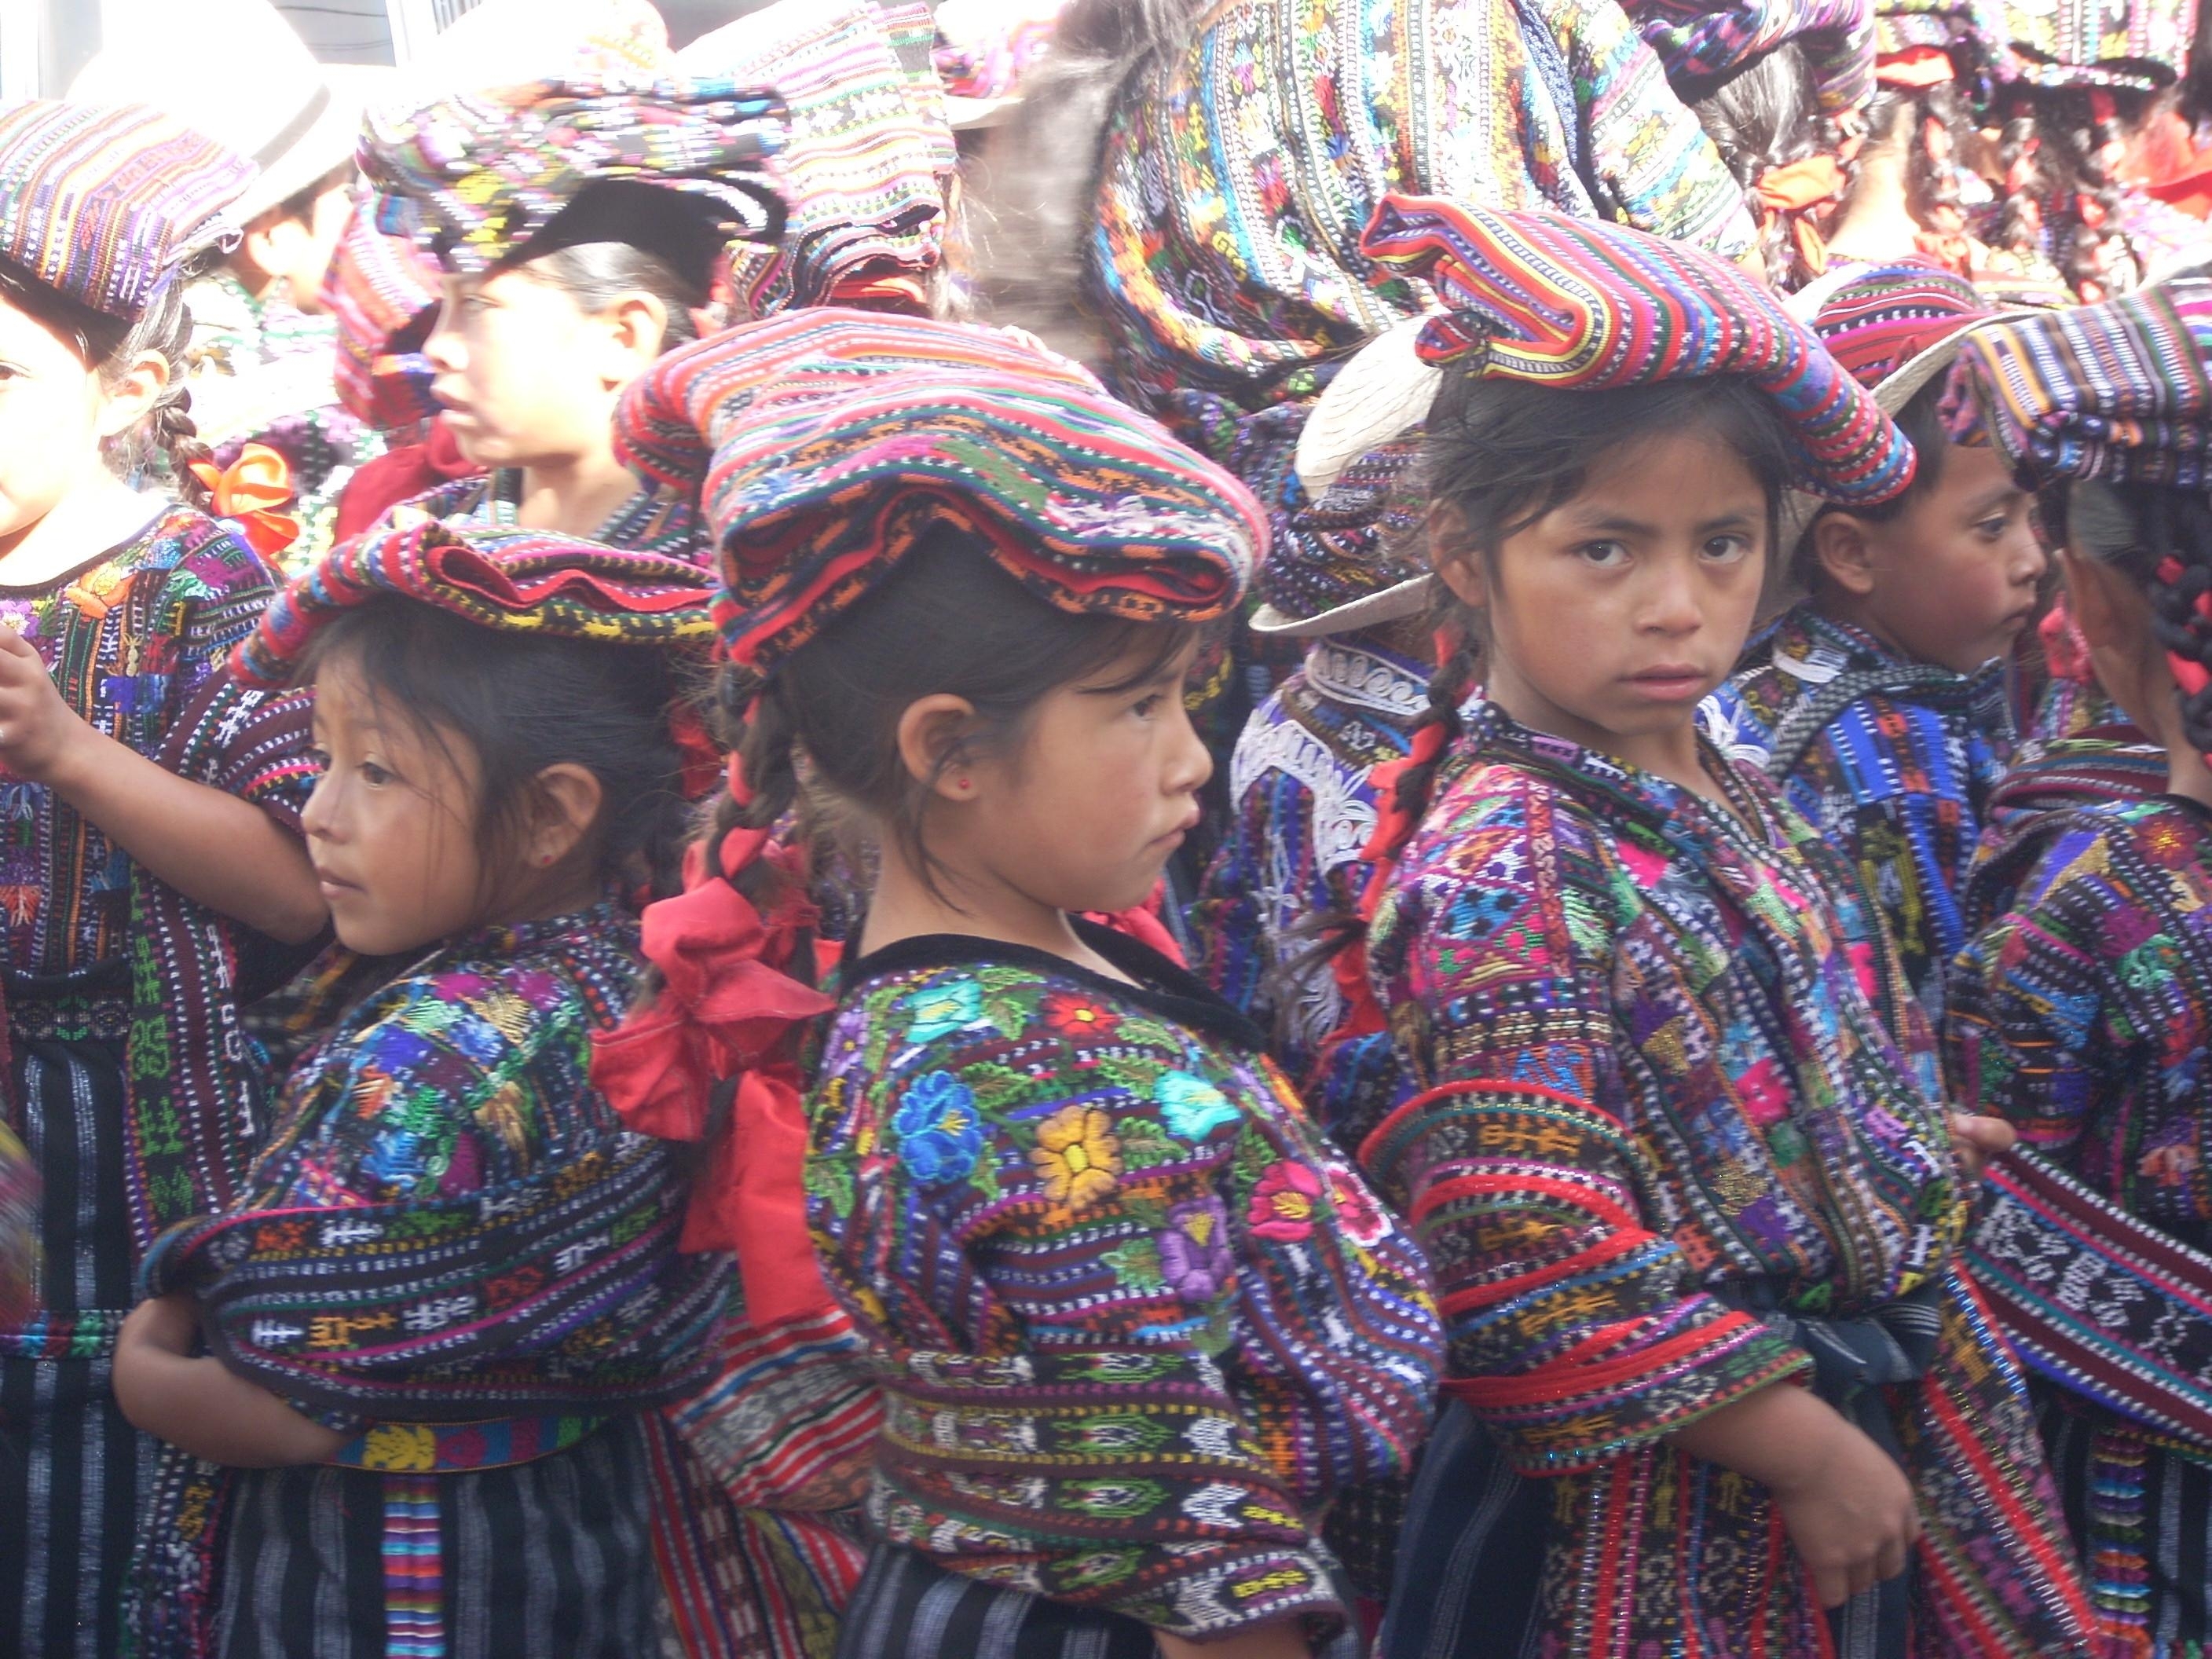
(908, 1608)
(546, 1559)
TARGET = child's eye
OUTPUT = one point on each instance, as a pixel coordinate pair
(1993, 529)
(1607, 556)
(374, 776)
(1728, 550)
(1145, 707)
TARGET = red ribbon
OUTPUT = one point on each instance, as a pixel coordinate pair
(1917, 67)
(1792, 193)
(727, 1009)
(250, 493)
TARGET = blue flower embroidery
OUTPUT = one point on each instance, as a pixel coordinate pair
(938, 1132)
(1192, 1107)
(942, 1008)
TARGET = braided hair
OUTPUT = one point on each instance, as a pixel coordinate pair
(2162, 538)
(2061, 151)
(1764, 116)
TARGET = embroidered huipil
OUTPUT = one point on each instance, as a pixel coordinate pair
(1672, 1072)
(2083, 1014)
(1890, 759)
(452, 1250)
(1135, 1320)
(1302, 809)
(132, 1084)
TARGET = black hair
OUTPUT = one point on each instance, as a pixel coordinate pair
(620, 238)
(109, 346)
(1766, 115)
(1921, 421)
(2059, 150)
(524, 702)
(300, 204)
(1931, 126)
(948, 620)
(1500, 454)
(2161, 539)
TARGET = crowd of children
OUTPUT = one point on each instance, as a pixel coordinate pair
(1481, 929)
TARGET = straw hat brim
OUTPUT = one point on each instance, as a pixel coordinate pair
(1407, 599)
(325, 143)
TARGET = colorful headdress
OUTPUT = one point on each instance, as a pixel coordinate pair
(866, 158)
(104, 203)
(1896, 328)
(2120, 391)
(833, 442)
(473, 179)
(1580, 305)
(2140, 44)
(1700, 41)
(382, 290)
(1923, 43)
(522, 581)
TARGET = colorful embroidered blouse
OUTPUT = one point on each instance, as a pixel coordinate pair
(2049, 780)
(1895, 775)
(1238, 176)
(1303, 808)
(1136, 1321)
(1673, 1072)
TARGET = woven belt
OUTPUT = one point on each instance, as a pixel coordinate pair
(461, 1448)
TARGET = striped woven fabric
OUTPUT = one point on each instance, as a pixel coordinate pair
(1700, 41)
(833, 442)
(1581, 305)
(1887, 315)
(473, 176)
(866, 159)
(379, 288)
(103, 203)
(2118, 390)
(2133, 45)
(518, 580)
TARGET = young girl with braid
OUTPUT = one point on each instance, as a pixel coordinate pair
(1679, 1151)
(2083, 1012)
(151, 833)
(1134, 1321)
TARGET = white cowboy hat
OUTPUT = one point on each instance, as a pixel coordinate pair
(235, 70)
(1382, 391)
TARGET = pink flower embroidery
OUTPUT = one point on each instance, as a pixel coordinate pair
(1283, 1202)
(1356, 1208)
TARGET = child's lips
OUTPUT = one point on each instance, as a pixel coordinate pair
(1671, 682)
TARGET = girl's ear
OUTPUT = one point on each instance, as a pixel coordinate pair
(1454, 557)
(128, 397)
(928, 733)
(568, 801)
(637, 324)
(1841, 553)
(2096, 596)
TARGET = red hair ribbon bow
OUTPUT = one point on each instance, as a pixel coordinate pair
(250, 492)
(728, 1010)
(1916, 67)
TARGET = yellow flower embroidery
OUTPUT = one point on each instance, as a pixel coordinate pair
(1078, 1155)
(400, 1448)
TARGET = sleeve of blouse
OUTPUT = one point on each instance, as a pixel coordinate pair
(2024, 1030)
(1225, 919)
(1038, 1253)
(1574, 1329)
(1654, 166)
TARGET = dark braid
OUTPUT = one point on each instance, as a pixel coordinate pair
(753, 723)
(1449, 686)
(1767, 116)
(1938, 118)
(2019, 231)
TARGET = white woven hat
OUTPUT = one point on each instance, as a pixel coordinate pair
(237, 71)
(1382, 391)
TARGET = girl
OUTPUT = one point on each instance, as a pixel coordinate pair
(1134, 1322)
(1679, 1151)
(151, 809)
(581, 226)
(2083, 1013)
(450, 1281)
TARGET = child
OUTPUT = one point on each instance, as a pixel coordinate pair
(1134, 1322)
(582, 227)
(1679, 1154)
(451, 1282)
(152, 831)
(1877, 701)
(2083, 1013)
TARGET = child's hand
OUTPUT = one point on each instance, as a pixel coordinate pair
(166, 1324)
(1850, 1512)
(1979, 1141)
(37, 728)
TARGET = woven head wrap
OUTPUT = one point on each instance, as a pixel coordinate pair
(1895, 328)
(104, 203)
(522, 581)
(474, 177)
(1922, 43)
(1578, 305)
(2120, 391)
(382, 290)
(2129, 45)
(1699, 43)
(834, 442)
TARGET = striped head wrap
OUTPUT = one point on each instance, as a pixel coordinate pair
(523, 582)
(833, 442)
(383, 291)
(104, 203)
(2120, 391)
(1701, 41)
(2127, 44)
(1579, 304)
(473, 177)
(1895, 328)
